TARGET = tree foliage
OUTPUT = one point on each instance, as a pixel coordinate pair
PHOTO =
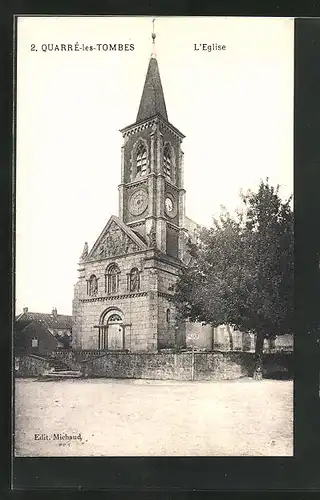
(241, 271)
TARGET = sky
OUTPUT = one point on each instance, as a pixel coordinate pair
(235, 108)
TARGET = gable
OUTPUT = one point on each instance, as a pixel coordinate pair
(21, 324)
(33, 329)
(23, 338)
(116, 239)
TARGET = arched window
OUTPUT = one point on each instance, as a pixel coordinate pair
(114, 318)
(168, 315)
(92, 285)
(134, 280)
(167, 167)
(141, 161)
(112, 279)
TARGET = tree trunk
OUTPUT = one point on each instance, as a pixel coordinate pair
(272, 344)
(230, 337)
(257, 374)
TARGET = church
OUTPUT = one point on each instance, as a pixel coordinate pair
(123, 297)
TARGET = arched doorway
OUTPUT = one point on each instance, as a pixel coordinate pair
(111, 332)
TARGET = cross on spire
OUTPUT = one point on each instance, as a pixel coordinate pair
(152, 100)
(153, 36)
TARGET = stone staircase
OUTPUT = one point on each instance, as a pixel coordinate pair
(57, 364)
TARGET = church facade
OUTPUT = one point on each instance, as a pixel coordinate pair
(123, 296)
(123, 299)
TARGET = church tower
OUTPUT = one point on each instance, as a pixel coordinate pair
(151, 193)
(123, 299)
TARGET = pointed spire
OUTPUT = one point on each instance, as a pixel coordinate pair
(85, 251)
(152, 99)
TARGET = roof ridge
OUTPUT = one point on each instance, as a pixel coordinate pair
(128, 230)
(44, 314)
(124, 227)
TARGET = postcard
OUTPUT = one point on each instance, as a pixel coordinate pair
(154, 237)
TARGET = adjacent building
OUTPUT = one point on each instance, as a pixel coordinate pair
(41, 334)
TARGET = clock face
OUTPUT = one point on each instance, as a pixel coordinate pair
(170, 207)
(138, 202)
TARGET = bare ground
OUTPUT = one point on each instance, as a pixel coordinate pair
(154, 418)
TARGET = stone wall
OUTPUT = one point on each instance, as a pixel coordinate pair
(140, 366)
(278, 363)
(223, 365)
(198, 335)
(171, 366)
(74, 359)
(30, 365)
(162, 366)
(175, 366)
(145, 313)
(226, 338)
(282, 343)
(88, 311)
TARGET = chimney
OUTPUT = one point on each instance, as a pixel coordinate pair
(54, 312)
(25, 309)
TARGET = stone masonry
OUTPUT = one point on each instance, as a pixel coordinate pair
(123, 297)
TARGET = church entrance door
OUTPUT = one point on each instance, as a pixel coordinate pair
(115, 333)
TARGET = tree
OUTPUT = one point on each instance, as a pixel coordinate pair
(241, 271)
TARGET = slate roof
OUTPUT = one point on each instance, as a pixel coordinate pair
(152, 99)
(50, 321)
(130, 232)
(140, 236)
